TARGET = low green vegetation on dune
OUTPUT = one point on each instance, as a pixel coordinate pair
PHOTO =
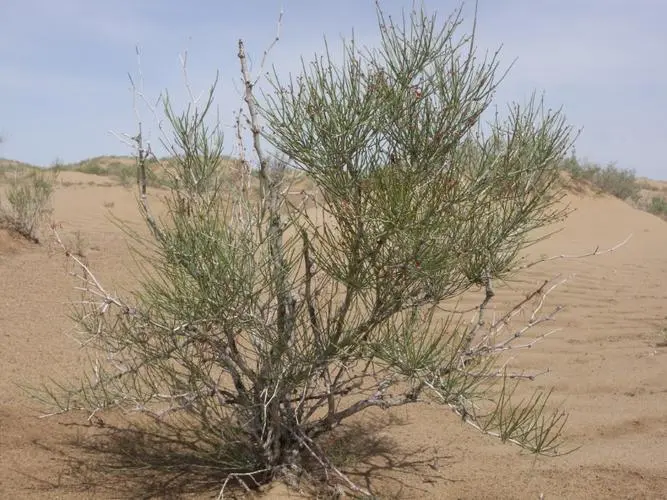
(619, 182)
(610, 179)
(11, 169)
(121, 168)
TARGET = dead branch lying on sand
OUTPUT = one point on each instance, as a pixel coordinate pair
(595, 252)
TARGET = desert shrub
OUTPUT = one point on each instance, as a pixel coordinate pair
(92, 167)
(57, 165)
(261, 325)
(646, 185)
(580, 171)
(158, 179)
(126, 174)
(621, 183)
(27, 203)
(657, 206)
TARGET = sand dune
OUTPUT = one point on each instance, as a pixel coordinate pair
(605, 364)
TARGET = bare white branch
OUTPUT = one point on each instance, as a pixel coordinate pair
(595, 252)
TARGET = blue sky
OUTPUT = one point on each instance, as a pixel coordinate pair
(64, 64)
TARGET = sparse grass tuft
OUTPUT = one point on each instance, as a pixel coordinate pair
(662, 338)
(78, 245)
(28, 203)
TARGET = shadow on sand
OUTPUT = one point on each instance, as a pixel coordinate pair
(134, 462)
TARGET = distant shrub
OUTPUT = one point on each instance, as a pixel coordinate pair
(28, 203)
(645, 185)
(621, 183)
(93, 168)
(12, 171)
(580, 171)
(115, 166)
(658, 206)
(57, 165)
(126, 174)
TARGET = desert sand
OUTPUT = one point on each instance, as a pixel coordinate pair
(608, 365)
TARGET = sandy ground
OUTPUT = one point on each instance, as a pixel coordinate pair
(606, 365)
